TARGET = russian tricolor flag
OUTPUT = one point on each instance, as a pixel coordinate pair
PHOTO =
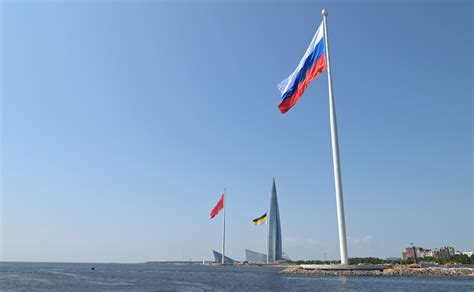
(312, 63)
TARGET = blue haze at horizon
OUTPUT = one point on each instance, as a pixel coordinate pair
(122, 122)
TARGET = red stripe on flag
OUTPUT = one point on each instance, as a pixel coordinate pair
(318, 67)
(218, 207)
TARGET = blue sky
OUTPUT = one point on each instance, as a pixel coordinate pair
(122, 122)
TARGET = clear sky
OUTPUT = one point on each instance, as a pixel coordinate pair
(123, 121)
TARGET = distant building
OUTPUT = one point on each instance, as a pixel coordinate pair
(444, 252)
(439, 253)
(274, 233)
(428, 253)
(255, 257)
(468, 253)
(274, 248)
(218, 258)
(419, 251)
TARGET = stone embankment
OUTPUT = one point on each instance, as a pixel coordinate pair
(396, 270)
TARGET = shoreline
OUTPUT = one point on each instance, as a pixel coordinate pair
(396, 270)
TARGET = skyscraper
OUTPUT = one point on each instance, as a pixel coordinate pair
(274, 232)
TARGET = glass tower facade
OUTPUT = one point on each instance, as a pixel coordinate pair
(218, 258)
(274, 232)
(255, 257)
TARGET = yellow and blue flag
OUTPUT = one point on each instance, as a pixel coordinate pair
(260, 220)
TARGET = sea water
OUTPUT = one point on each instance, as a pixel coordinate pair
(193, 277)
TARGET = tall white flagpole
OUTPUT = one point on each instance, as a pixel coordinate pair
(335, 153)
(223, 229)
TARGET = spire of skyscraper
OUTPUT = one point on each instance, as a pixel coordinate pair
(274, 234)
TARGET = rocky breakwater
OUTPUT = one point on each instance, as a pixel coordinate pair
(396, 270)
(441, 271)
(316, 272)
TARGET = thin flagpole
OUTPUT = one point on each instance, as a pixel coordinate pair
(268, 228)
(335, 153)
(223, 229)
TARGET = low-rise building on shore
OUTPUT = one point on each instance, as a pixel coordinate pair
(438, 253)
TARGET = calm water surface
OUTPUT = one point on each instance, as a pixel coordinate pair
(167, 277)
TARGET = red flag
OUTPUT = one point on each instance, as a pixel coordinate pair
(218, 207)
